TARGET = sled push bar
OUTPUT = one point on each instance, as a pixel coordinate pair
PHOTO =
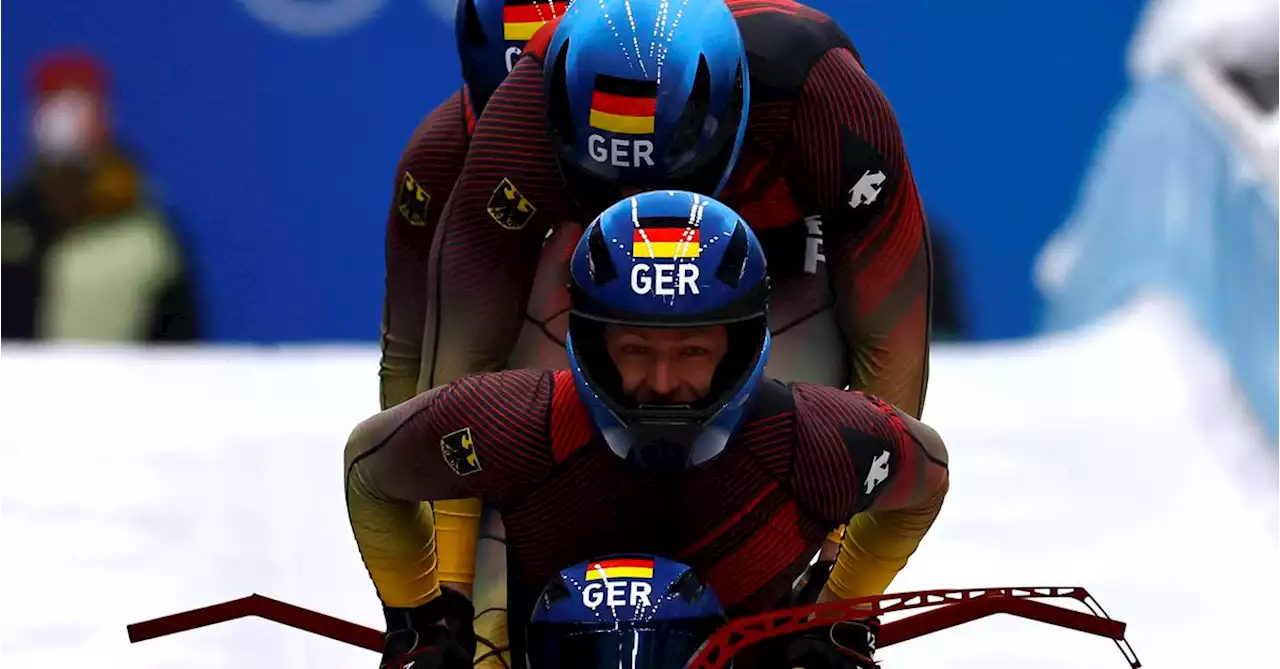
(953, 607)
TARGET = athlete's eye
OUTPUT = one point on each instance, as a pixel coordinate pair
(694, 352)
(635, 349)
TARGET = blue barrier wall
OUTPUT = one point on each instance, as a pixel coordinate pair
(278, 150)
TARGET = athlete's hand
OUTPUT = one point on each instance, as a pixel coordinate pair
(436, 635)
(844, 645)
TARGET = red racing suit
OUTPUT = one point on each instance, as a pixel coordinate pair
(807, 458)
(823, 178)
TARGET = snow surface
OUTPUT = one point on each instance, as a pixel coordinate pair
(140, 483)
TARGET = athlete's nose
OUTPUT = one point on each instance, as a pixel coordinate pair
(661, 381)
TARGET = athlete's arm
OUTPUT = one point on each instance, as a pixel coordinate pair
(846, 154)
(870, 461)
(490, 238)
(425, 175)
(484, 437)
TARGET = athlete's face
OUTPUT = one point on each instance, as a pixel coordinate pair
(666, 365)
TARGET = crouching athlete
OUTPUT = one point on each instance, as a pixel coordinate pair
(490, 36)
(763, 104)
(663, 438)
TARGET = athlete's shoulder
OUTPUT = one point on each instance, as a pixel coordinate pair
(449, 118)
(505, 417)
(767, 429)
(784, 39)
(869, 430)
(429, 166)
(842, 436)
(824, 407)
(513, 406)
(439, 141)
(513, 389)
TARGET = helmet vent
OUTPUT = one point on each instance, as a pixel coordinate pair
(684, 138)
(734, 261)
(558, 110)
(688, 587)
(599, 263)
(471, 24)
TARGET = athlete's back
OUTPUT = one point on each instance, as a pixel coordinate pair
(852, 275)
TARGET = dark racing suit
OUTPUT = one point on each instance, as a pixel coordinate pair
(823, 179)
(428, 169)
(808, 458)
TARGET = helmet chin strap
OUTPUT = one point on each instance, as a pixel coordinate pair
(672, 446)
(659, 456)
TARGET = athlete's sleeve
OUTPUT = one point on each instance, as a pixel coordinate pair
(484, 436)
(846, 154)
(424, 177)
(487, 250)
(863, 459)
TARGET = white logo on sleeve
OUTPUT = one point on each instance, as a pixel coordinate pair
(867, 189)
(879, 472)
(813, 251)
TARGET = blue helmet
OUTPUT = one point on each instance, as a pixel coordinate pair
(635, 611)
(491, 34)
(668, 259)
(646, 94)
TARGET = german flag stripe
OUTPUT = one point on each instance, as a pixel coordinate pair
(619, 572)
(534, 12)
(598, 571)
(631, 125)
(623, 562)
(623, 106)
(520, 32)
(667, 235)
(627, 88)
(666, 250)
(651, 222)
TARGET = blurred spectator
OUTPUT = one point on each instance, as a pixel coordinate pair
(1258, 84)
(86, 254)
(1181, 197)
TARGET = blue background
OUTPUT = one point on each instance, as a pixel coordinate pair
(278, 152)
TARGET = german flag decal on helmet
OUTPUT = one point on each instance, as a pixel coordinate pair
(663, 237)
(623, 106)
(522, 18)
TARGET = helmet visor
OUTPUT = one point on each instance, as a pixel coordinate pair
(623, 645)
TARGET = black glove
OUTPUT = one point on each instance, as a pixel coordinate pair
(844, 645)
(436, 635)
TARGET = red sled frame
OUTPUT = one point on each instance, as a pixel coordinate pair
(949, 609)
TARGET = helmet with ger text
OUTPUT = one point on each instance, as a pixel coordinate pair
(491, 35)
(646, 94)
(668, 262)
(638, 611)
